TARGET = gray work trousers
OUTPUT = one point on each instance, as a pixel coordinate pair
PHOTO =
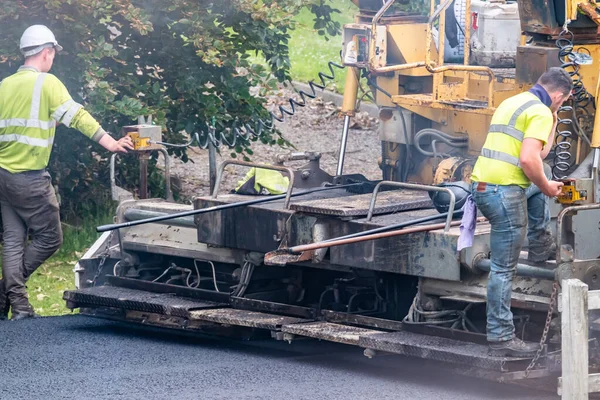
(28, 204)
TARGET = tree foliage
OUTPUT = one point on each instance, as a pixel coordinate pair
(185, 62)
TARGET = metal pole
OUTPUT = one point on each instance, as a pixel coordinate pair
(344, 141)
(212, 164)
(168, 191)
(143, 157)
(456, 213)
(136, 214)
(166, 217)
(364, 238)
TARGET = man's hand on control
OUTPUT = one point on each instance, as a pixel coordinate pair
(122, 145)
(116, 146)
(552, 189)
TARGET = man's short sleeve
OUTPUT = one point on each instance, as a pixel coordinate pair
(539, 122)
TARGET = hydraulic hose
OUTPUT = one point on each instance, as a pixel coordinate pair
(247, 131)
(570, 61)
(450, 140)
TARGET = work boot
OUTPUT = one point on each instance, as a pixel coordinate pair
(542, 254)
(4, 303)
(21, 309)
(16, 316)
(513, 348)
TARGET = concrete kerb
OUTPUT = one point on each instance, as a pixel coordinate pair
(337, 99)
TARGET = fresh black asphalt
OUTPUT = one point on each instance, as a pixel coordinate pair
(77, 357)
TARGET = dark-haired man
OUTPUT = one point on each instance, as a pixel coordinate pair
(520, 136)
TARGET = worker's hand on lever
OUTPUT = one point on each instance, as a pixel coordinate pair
(553, 188)
(116, 146)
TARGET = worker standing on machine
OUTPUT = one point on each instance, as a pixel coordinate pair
(32, 102)
(520, 137)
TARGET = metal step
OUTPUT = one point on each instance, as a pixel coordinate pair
(167, 306)
(409, 344)
(440, 349)
(330, 331)
(138, 300)
(252, 319)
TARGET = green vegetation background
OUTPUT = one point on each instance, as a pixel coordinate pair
(309, 55)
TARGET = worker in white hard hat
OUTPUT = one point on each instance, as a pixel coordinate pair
(32, 103)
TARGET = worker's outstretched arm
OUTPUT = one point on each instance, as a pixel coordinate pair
(531, 163)
(65, 110)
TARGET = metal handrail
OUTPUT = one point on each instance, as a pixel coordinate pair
(414, 186)
(167, 172)
(559, 222)
(287, 170)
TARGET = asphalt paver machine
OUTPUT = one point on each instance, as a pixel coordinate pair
(374, 264)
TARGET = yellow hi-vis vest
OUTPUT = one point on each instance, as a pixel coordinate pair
(263, 181)
(517, 118)
(31, 104)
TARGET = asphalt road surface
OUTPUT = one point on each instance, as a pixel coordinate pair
(77, 357)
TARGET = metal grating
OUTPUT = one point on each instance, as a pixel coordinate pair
(130, 299)
(439, 349)
(250, 319)
(329, 331)
(352, 206)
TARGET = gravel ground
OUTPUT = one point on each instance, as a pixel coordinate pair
(316, 127)
(76, 357)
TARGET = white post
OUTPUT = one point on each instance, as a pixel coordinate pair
(574, 326)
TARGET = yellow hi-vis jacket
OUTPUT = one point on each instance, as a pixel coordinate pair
(517, 118)
(31, 105)
(263, 181)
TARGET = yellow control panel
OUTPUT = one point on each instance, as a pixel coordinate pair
(139, 143)
(145, 137)
(571, 194)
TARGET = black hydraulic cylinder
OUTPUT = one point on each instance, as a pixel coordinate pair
(522, 270)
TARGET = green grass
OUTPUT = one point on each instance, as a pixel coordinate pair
(47, 284)
(310, 53)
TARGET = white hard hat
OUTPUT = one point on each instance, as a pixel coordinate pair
(36, 38)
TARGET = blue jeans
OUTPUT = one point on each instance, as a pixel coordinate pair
(512, 212)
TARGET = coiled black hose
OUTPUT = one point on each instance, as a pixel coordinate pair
(581, 98)
(245, 132)
(303, 95)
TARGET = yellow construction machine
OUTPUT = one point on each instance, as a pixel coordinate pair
(375, 264)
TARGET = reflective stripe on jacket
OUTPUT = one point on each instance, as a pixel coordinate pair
(31, 105)
(517, 118)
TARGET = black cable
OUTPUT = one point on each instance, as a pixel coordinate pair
(441, 136)
(581, 98)
(303, 95)
(248, 131)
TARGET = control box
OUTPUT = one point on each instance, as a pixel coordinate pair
(145, 137)
(356, 49)
(575, 191)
